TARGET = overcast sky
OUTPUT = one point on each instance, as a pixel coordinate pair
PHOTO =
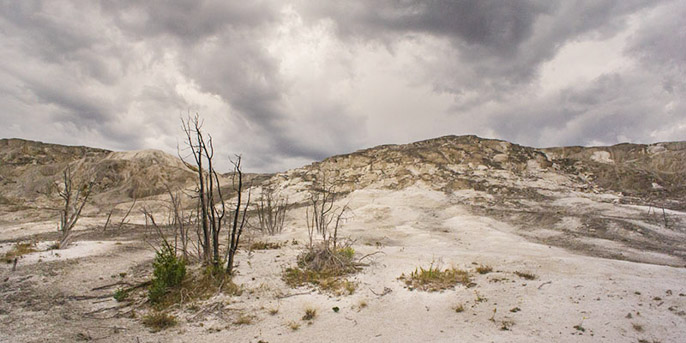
(286, 83)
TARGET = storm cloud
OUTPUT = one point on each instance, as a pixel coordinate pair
(288, 83)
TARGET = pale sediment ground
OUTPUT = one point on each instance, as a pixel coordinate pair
(574, 298)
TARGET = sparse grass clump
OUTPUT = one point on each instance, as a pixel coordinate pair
(459, 308)
(159, 321)
(324, 268)
(484, 269)
(18, 250)
(294, 325)
(526, 275)
(434, 279)
(244, 319)
(265, 246)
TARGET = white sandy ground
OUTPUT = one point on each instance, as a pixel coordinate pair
(410, 228)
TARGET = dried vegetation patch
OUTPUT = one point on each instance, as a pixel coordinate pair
(324, 268)
(18, 250)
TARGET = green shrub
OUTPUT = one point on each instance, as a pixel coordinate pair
(169, 272)
(120, 294)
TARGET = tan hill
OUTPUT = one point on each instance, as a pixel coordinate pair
(30, 170)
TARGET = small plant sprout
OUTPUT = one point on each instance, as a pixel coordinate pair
(484, 269)
(362, 304)
(479, 298)
(580, 326)
(495, 309)
(459, 308)
(293, 325)
(120, 295)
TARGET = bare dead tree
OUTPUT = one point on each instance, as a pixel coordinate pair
(150, 220)
(271, 210)
(323, 215)
(211, 204)
(180, 222)
(75, 199)
(237, 227)
(196, 142)
(123, 219)
(107, 222)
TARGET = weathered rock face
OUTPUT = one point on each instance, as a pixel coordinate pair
(468, 162)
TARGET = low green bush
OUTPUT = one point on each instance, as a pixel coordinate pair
(169, 271)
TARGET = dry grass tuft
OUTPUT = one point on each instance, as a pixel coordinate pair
(484, 269)
(294, 325)
(526, 275)
(159, 321)
(18, 250)
(244, 319)
(434, 279)
(310, 313)
(265, 246)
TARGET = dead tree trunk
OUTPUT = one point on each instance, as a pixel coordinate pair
(74, 202)
(237, 227)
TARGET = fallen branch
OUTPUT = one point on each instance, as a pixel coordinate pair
(545, 283)
(106, 309)
(292, 295)
(369, 255)
(111, 285)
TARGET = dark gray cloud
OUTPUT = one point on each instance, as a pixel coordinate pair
(286, 83)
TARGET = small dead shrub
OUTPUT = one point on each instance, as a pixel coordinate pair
(265, 246)
(526, 275)
(159, 321)
(324, 268)
(434, 279)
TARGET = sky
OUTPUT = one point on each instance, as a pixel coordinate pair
(286, 83)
